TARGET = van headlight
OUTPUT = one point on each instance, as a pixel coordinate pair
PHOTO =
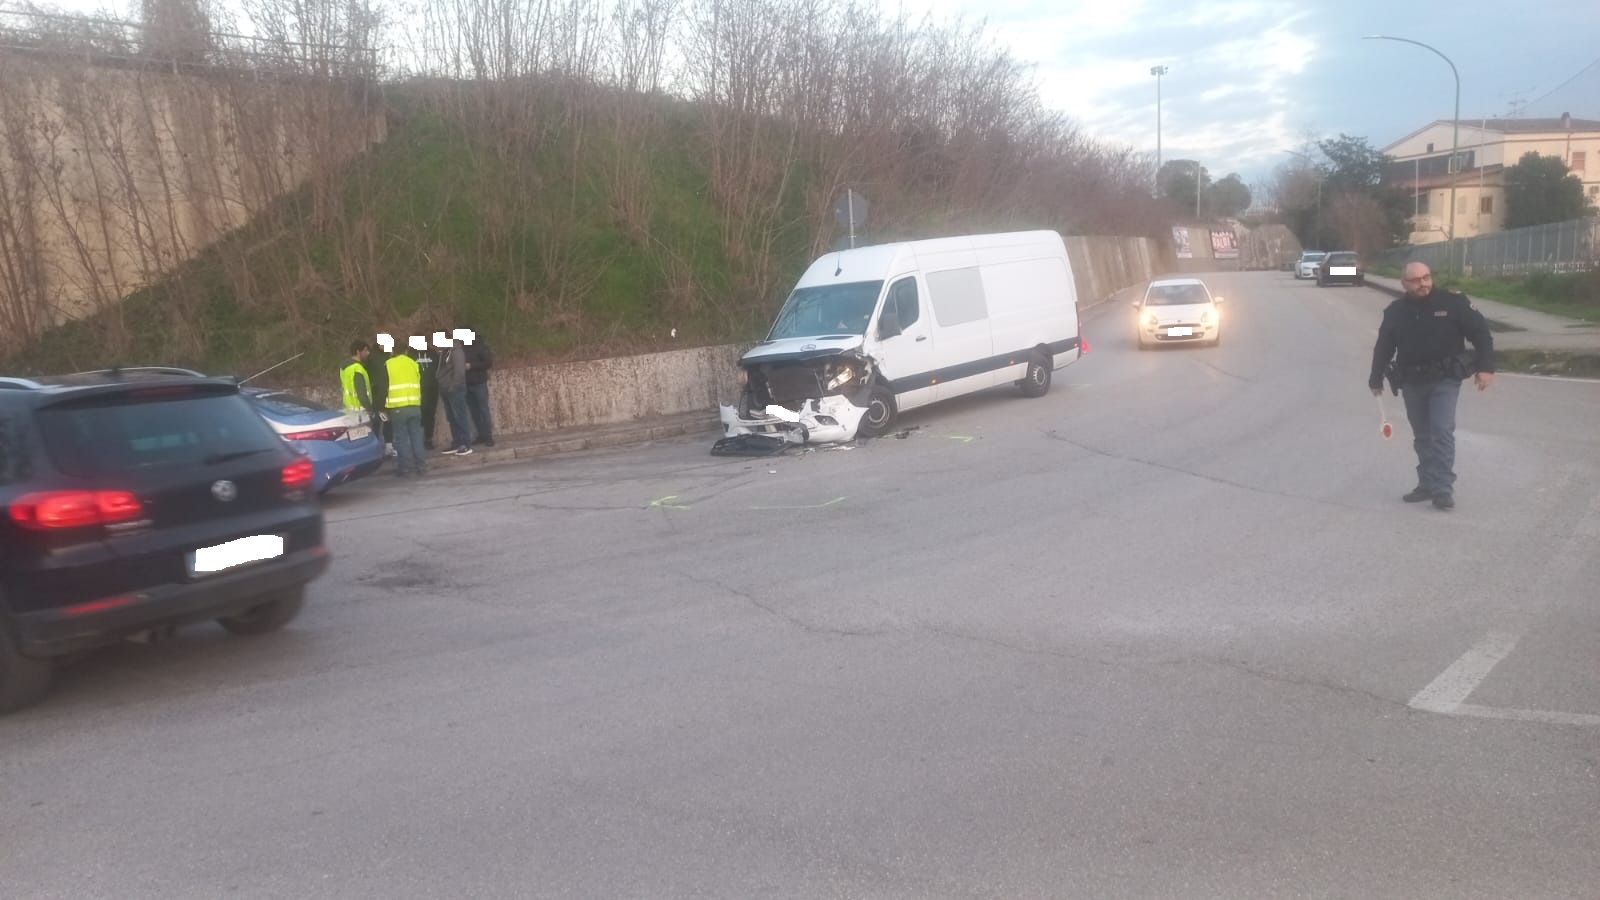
(843, 377)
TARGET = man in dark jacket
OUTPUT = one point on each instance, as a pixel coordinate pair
(427, 362)
(480, 359)
(378, 376)
(1424, 335)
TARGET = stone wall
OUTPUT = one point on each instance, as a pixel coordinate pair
(624, 389)
(110, 176)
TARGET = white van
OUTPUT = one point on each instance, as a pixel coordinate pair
(871, 332)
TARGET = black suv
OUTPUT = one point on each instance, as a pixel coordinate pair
(1341, 267)
(133, 501)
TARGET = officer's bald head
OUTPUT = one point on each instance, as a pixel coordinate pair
(1417, 279)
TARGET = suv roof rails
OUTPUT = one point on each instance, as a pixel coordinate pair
(154, 370)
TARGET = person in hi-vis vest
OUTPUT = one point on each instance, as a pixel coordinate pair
(355, 386)
(404, 408)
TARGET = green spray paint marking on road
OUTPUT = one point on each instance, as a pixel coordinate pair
(663, 504)
(963, 438)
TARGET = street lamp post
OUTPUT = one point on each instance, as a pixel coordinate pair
(1158, 71)
(1317, 233)
(1455, 129)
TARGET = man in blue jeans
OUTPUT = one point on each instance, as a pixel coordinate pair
(480, 359)
(1424, 334)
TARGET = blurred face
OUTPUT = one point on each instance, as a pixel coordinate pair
(1417, 280)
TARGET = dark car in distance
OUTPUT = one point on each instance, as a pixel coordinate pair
(1341, 267)
(134, 501)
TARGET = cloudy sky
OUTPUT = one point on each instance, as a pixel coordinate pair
(1250, 78)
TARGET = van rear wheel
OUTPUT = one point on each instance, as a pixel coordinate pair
(1036, 381)
(880, 413)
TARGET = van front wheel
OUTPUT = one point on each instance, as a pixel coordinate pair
(880, 413)
(1036, 381)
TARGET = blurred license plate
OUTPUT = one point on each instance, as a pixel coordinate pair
(1344, 270)
(1180, 332)
(359, 432)
(235, 553)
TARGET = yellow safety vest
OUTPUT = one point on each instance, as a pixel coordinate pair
(347, 380)
(405, 381)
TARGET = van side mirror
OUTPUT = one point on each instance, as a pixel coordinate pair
(889, 323)
(1137, 303)
(1216, 299)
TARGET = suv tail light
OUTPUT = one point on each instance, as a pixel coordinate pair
(321, 434)
(50, 510)
(298, 474)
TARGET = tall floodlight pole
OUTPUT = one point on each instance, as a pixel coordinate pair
(1455, 129)
(1158, 71)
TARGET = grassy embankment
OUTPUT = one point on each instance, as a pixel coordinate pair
(424, 239)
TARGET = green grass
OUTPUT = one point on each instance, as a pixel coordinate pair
(1574, 295)
(436, 229)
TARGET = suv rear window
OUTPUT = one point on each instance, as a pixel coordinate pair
(1342, 259)
(119, 432)
(14, 455)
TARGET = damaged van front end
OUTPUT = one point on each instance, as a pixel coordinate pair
(817, 390)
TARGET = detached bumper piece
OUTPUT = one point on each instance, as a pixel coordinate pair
(832, 419)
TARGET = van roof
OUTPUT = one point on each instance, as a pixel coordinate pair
(873, 262)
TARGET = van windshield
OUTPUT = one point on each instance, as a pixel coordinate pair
(832, 309)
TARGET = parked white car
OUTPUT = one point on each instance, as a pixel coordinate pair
(1307, 266)
(1178, 311)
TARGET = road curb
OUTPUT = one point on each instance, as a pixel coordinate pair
(512, 448)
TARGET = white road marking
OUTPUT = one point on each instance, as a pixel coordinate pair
(1447, 693)
(1527, 715)
(1454, 685)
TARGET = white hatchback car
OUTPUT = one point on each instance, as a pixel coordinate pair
(1307, 265)
(1178, 311)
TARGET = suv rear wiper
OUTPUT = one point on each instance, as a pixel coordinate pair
(216, 458)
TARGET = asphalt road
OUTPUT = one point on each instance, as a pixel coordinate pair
(1165, 632)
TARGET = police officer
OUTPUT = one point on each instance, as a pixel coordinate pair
(405, 412)
(1421, 346)
(354, 384)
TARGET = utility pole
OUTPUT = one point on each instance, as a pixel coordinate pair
(1453, 169)
(1158, 71)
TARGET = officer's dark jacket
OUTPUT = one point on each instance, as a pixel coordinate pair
(1429, 330)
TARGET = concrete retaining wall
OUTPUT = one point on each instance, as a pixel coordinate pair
(624, 389)
(114, 176)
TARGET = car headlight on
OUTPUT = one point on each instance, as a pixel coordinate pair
(1150, 320)
(1207, 317)
(844, 376)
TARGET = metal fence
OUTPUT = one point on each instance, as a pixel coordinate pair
(111, 41)
(1558, 247)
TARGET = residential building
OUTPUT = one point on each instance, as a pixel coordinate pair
(1420, 163)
